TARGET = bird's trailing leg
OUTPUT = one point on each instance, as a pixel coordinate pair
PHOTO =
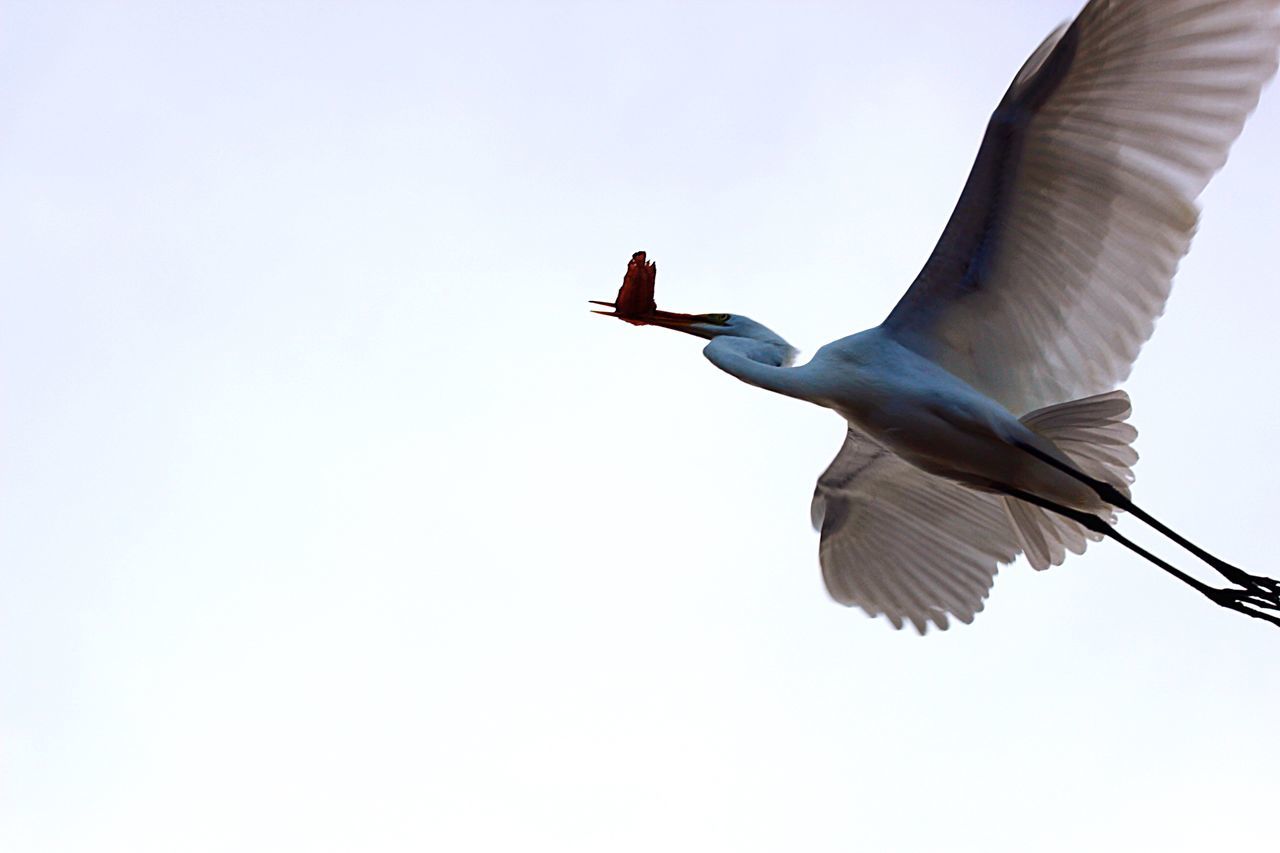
(1257, 590)
(1119, 500)
(1249, 601)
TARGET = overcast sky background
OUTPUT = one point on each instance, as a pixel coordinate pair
(331, 520)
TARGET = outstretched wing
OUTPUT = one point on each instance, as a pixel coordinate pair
(1059, 256)
(901, 542)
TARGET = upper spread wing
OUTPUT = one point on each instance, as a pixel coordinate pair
(899, 541)
(1059, 256)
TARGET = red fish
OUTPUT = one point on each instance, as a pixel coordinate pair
(634, 303)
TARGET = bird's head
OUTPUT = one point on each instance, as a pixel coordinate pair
(727, 330)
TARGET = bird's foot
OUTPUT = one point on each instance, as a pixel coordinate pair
(1254, 600)
(1254, 584)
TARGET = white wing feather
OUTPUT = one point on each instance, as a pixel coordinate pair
(1094, 435)
(1059, 256)
(901, 542)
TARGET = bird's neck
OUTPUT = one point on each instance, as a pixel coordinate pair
(762, 361)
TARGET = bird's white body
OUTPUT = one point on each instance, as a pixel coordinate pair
(907, 403)
(936, 421)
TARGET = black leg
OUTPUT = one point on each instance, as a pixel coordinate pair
(1242, 601)
(1267, 586)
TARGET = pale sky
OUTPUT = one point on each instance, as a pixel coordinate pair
(330, 520)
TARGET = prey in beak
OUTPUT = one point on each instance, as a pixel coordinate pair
(635, 303)
(635, 298)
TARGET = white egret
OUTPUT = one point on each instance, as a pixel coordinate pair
(983, 420)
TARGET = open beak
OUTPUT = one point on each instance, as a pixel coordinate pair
(665, 319)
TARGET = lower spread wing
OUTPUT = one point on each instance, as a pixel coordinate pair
(1059, 256)
(901, 542)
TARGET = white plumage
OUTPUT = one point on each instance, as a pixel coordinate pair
(904, 543)
(1060, 255)
(983, 420)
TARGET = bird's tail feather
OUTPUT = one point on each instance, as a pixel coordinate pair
(1092, 432)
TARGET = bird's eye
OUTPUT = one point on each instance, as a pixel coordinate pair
(715, 319)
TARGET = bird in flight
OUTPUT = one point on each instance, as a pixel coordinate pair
(983, 416)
